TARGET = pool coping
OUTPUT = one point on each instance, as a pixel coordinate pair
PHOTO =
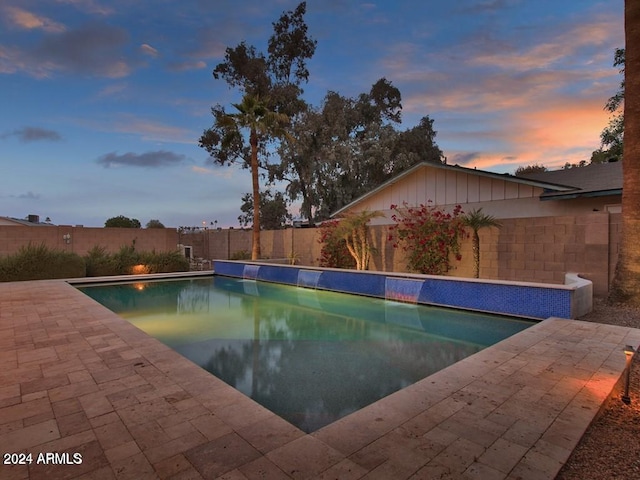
(78, 378)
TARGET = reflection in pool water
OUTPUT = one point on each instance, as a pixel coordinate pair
(310, 356)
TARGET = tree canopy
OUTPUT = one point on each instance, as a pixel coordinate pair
(273, 210)
(154, 224)
(611, 138)
(348, 146)
(122, 222)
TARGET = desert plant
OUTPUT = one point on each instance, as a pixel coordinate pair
(164, 262)
(353, 230)
(476, 220)
(100, 263)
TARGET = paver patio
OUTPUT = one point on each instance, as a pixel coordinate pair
(75, 378)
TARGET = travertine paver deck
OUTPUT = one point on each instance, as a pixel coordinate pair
(77, 379)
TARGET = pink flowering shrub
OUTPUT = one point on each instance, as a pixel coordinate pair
(334, 251)
(429, 236)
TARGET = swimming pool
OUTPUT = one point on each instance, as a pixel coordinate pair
(309, 356)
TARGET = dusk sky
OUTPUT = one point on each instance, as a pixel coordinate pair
(103, 101)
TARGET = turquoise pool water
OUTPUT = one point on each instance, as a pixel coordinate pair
(309, 356)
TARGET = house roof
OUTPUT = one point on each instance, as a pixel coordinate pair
(593, 180)
(546, 185)
(26, 222)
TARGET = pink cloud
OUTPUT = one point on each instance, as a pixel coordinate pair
(24, 19)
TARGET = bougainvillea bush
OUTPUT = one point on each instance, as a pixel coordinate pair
(334, 252)
(429, 235)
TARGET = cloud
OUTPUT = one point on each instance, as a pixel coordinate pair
(149, 50)
(461, 158)
(150, 130)
(89, 6)
(187, 65)
(24, 19)
(113, 90)
(27, 196)
(225, 173)
(160, 158)
(95, 50)
(487, 6)
(34, 134)
(551, 134)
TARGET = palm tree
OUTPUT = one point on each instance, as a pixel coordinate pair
(626, 282)
(477, 220)
(253, 115)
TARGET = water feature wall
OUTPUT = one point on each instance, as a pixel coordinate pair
(532, 300)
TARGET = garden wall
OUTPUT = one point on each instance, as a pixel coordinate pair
(539, 249)
(82, 239)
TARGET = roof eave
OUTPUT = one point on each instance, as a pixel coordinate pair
(579, 194)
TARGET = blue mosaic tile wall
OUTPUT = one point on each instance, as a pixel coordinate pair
(278, 274)
(229, 269)
(363, 284)
(519, 300)
(537, 302)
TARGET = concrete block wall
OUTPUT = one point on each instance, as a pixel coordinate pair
(539, 249)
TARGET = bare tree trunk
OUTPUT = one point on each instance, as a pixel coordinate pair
(626, 283)
(255, 247)
(475, 246)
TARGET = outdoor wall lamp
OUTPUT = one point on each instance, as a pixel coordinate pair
(628, 352)
(67, 238)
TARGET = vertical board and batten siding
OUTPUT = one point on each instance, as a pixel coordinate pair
(446, 187)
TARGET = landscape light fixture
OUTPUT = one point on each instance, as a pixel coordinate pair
(628, 352)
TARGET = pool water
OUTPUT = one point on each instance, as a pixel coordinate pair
(309, 356)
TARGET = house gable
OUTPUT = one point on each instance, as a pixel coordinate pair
(500, 195)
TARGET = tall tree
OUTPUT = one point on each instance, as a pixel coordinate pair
(273, 210)
(349, 146)
(271, 94)
(611, 138)
(224, 141)
(626, 283)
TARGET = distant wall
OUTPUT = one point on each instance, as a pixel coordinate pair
(539, 249)
(83, 239)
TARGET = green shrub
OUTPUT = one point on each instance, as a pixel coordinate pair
(164, 262)
(40, 262)
(241, 255)
(100, 263)
(126, 261)
(125, 258)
